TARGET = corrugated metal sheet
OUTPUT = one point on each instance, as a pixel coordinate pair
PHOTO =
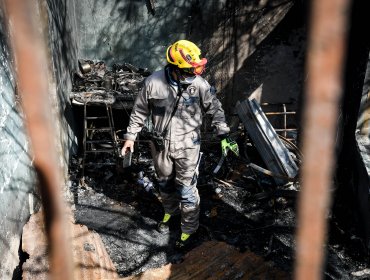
(273, 152)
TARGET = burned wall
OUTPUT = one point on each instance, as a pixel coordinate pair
(62, 46)
(18, 191)
(228, 32)
(274, 72)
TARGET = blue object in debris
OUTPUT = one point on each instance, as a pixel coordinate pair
(145, 182)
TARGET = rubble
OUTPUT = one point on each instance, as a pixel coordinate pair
(239, 207)
(244, 205)
(97, 83)
(274, 153)
(125, 208)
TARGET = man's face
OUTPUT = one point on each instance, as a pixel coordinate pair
(186, 76)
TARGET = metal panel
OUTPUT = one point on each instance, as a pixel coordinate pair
(273, 152)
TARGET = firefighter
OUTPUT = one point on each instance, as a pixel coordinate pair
(176, 98)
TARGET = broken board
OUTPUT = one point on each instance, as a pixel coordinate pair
(275, 155)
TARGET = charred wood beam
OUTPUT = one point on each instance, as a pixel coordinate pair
(272, 195)
(151, 6)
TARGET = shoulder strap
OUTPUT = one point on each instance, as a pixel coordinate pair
(178, 96)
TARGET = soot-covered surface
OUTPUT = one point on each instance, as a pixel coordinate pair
(238, 206)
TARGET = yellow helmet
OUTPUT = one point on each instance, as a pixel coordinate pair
(186, 55)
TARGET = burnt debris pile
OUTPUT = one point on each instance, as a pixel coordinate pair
(96, 82)
(240, 206)
(101, 95)
(245, 201)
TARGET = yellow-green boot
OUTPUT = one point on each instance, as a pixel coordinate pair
(184, 241)
(163, 225)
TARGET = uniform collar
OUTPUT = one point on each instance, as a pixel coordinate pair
(169, 78)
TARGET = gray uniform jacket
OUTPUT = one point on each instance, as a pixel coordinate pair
(157, 99)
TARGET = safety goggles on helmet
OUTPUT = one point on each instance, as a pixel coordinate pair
(186, 55)
(197, 70)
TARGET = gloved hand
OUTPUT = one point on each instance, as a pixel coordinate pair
(227, 143)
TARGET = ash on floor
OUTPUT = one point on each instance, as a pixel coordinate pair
(245, 211)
